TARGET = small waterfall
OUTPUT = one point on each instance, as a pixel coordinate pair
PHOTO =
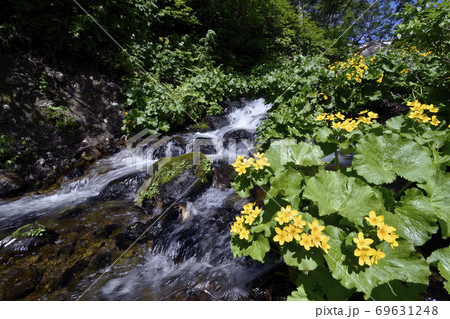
(192, 251)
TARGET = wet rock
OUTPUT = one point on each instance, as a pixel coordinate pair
(191, 294)
(19, 79)
(122, 188)
(216, 122)
(272, 284)
(166, 147)
(106, 231)
(122, 241)
(176, 179)
(204, 145)
(222, 174)
(230, 106)
(200, 127)
(135, 231)
(238, 136)
(17, 245)
(10, 183)
(73, 211)
(236, 202)
(18, 282)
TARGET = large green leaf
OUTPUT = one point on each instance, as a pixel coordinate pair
(242, 185)
(379, 158)
(439, 194)
(414, 218)
(288, 151)
(397, 290)
(401, 263)
(287, 183)
(334, 192)
(296, 256)
(258, 249)
(298, 295)
(441, 257)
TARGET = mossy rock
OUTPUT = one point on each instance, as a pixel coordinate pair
(201, 127)
(175, 178)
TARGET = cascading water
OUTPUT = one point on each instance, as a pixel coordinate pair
(189, 253)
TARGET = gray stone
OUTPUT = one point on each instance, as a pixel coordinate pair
(9, 182)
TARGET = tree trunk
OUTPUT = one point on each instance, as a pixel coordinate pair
(298, 3)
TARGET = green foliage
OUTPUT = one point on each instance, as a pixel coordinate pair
(7, 156)
(426, 24)
(30, 230)
(62, 120)
(343, 200)
(441, 258)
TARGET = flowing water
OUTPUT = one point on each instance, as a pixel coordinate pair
(188, 254)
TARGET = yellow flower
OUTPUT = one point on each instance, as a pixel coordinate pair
(258, 155)
(282, 218)
(433, 109)
(384, 232)
(363, 112)
(298, 221)
(365, 120)
(321, 117)
(424, 118)
(243, 234)
(315, 227)
(340, 116)
(261, 162)
(362, 242)
(306, 241)
(372, 115)
(416, 106)
(238, 161)
(325, 97)
(331, 117)
(435, 121)
(324, 244)
(256, 211)
(381, 78)
(281, 236)
(247, 209)
(289, 211)
(293, 231)
(377, 256)
(249, 219)
(241, 170)
(316, 238)
(364, 254)
(394, 243)
(373, 219)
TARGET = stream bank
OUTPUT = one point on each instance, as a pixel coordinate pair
(96, 244)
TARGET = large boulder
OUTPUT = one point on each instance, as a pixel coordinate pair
(173, 180)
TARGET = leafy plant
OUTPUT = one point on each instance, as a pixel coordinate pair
(349, 225)
(30, 230)
(7, 156)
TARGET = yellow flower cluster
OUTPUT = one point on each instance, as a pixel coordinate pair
(295, 227)
(355, 67)
(415, 49)
(368, 255)
(242, 164)
(417, 112)
(348, 124)
(249, 213)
